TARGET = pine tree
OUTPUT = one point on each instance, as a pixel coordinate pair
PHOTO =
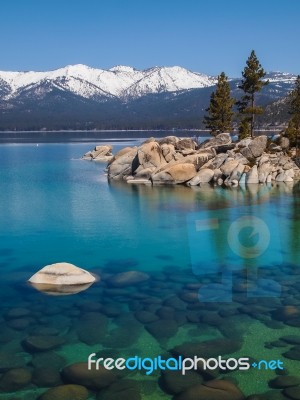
(244, 129)
(293, 129)
(252, 83)
(219, 118)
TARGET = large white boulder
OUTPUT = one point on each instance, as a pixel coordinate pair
(62, 274)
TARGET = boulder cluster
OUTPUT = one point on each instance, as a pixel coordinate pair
(219, 160)
(100, 153)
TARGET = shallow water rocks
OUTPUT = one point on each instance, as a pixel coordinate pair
(46, 377)
(20, 324)
(18, 312)
(48, 359)
(212, 390)
(284, 381)
(208, 348)
(125, 389)
(93, 379)
(43, 343)
(66, 392)
(128, 278)
(62, 274)
(145, 317)
(293, 353)
(162, 329)
(291, 339)
(286, 313)
(91, 328)
(174, 382)
(11, 360)
(15, 379)
(292, 392)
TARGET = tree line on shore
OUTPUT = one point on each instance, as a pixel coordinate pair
(220, 113)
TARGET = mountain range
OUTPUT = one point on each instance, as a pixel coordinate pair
(80, 97)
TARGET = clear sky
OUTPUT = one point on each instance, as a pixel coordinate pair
(205, 36)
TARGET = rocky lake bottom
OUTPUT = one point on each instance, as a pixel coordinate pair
(153, 297)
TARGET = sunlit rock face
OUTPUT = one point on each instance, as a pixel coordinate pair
(62, 279)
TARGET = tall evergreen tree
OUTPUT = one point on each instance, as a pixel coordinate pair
(219, 118)
(252, 83)
(293, 129)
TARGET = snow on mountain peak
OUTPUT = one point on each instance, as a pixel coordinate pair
(119, 81)
(122, 68)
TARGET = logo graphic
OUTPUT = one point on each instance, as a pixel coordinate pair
(149, 365)
(258, 228)
(226, 241)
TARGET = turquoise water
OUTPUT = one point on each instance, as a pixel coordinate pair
(55, 207)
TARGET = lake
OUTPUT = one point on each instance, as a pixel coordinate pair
(192, 246)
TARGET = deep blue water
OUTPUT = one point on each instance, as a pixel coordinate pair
(55, 207)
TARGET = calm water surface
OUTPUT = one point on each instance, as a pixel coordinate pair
(55, 207)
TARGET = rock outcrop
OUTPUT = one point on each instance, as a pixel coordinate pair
(100, 153)
(218, 160)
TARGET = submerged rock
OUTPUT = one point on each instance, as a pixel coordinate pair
(48, 360)
(208, 348)
(46, 377)
(93, 379)
(128, 278)
(162, 329)
(43, 343)
(15, 379)
(66, 392)
(10, 361)
(292, 392)
(281, 382)
(18, 312)
(125, 389)
(174, 382)
(212, 390)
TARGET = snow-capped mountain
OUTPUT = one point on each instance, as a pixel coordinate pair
(80, 97)
(91, 83)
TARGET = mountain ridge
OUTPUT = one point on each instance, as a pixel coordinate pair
(81, 97)
(118, 81)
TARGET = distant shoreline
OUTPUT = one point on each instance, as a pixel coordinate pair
(128, 130)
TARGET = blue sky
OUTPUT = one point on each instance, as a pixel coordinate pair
(204, 36)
